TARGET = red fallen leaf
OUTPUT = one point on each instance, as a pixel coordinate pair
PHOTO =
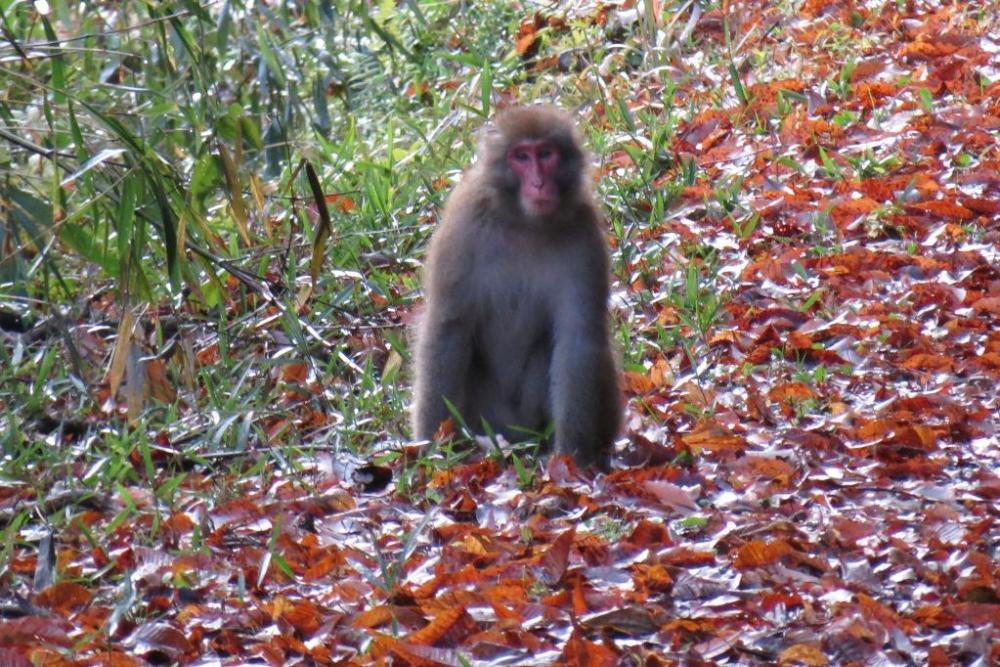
(344, 203)
(554, 561)
(883, 614)
(445, 429)
(778, 471)
(848, 532)
(765, 94)
(648, 533)
(671, 495)
(989, 361)
(711, 435)
(659, 375)
(63, 597)
(780, 318)
(632, 620)
(652, 578)
(448, 629)
(787, 395)
(619, 159)
(294, 373)
(373, 617)
(687, 557)
(303, 615)
(988, 304)
(413, 655)
(208, 355)
(757, 553)
(921, 50)
(981, 206)
(803, 654)
(32, 630)
(526, 42)
(158, 381)
(846, 212)
(941, 208)
(976, 614)
(637, 383)
(867, 68)
(580, 651)
(929, 362)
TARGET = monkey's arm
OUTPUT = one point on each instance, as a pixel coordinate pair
(586, 403)
(443, 355)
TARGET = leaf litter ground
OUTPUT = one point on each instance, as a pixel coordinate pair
(812, 478)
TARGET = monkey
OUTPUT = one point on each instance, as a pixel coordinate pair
(515, 330)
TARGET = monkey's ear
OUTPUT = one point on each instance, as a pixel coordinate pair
(489, 136)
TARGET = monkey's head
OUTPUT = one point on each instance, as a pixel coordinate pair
(534, 155)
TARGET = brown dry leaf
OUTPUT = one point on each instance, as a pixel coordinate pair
(930, 362)
(792, 392)
(671, 495)
(556, 558)
(987, 304)
(652, 578)
(527, 36)
(584, 653)
(687, 557)
(637, 383)
(944, 209)
(297, 373)
(158, 381)
(120, 354)
(802, 654)
(385, 648)
(373, 617)
(779, 471)
(698, 396)
(448, 629)
(303, 615)
(844, 213)
(31, 629)
(757, 553)
(342, 203)
(63, 597)
(711, 435)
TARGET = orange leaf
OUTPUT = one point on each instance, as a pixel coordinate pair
(373, 617)
(941, 208)
(449, 628)
(793, 391)
(63, 597)
(929, 362)
(803, 654)
(580, 651)
(757, 553)
(160, 386)
(988, 304)
(344, 203)
(713, 436)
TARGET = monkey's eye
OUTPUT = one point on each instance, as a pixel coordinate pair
(521, 156)
(545, 153)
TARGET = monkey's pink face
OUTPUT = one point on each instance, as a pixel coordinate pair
(535, 164)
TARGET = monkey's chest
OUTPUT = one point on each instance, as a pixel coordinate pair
(514, 321)
(509, 374)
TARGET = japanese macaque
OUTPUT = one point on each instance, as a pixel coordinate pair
(515, 328)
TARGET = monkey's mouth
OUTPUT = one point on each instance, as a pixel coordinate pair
(540, 205)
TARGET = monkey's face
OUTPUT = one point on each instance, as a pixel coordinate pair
(536, 164)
